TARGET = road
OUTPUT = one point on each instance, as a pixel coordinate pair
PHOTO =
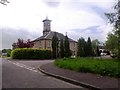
(23, 74)
(0, 73)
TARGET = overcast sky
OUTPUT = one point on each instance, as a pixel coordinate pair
(79, 18)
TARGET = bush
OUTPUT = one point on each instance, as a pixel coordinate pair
(29, 53)
(99, 66)
(9, 52)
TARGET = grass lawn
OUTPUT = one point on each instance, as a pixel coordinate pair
(108, 67)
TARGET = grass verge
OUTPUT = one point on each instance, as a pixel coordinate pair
(98, 66)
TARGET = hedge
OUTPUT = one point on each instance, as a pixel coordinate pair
(30, 53)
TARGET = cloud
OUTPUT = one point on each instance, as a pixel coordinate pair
(10, 35)
(95, 32)
(53, 3)
(90, 6)
(0, 39)
(23, 18)
(99, 11)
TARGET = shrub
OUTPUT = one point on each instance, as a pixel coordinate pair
(29, 53)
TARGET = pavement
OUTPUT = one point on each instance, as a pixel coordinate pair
(87, 80)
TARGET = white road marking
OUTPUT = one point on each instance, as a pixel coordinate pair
(24, 66)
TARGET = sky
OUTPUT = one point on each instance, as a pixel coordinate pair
(79, 18)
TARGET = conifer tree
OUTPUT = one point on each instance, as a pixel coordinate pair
(61, 48)
(97, 51)
(89, 47)
(54, 46)
(81, 47)
(67, 47)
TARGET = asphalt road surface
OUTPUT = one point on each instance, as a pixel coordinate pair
(0, 73)
(24, 74)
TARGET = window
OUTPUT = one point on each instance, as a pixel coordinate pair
(49, 44)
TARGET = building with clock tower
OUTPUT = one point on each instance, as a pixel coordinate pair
(45, 41)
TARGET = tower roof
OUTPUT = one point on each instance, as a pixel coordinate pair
(46, 19)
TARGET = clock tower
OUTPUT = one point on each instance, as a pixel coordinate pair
(46, 26)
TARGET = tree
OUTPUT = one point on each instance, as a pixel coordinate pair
(22, 44)
(7, 51)
(111, 42)
(14, 45)
(28, 44)
(114, 19)
(81, 49)
(89, 47)
(4, 50)
(97, 51)
(55, 46)
(95, 47)
(67, 47)
(61, 48)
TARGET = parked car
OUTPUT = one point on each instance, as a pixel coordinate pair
(104, 52)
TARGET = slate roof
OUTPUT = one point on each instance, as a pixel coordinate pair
(50, 35)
